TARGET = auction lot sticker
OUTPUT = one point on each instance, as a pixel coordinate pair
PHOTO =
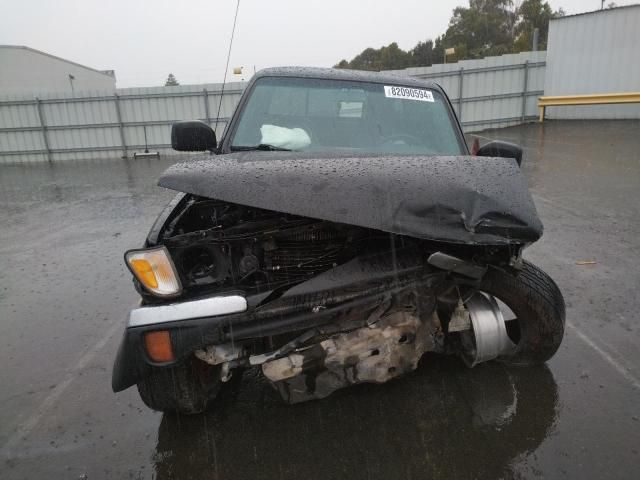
(408, 93)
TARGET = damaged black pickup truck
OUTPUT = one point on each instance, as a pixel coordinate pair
(338, 231)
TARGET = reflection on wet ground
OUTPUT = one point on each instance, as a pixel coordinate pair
(64, 291)
(443, 421)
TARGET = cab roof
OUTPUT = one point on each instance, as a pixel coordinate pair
(348, 75)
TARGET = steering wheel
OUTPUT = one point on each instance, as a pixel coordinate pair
(405, 138)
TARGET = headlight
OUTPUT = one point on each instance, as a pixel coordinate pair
(154, 270)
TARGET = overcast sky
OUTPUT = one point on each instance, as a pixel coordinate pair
(145, 40)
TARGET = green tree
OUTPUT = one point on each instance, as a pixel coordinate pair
(485, 28)
(438, 50)
(171, 81)
(369, 59)
(393, 57)
(385, 58)
(422, 54)
(533, 14)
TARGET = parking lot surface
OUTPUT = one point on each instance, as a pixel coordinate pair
(64, 294)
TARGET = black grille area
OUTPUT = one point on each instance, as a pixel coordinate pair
(303, 254)
(219, 244)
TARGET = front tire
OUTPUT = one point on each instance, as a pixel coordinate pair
(539, 307)
(187, 388)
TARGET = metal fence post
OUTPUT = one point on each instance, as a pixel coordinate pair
(43, 128)
(120, 125)
(524, 90)
(460, 94)
(206, 105)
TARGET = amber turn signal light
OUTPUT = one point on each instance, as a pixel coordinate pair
(154, 269)
(158, 346)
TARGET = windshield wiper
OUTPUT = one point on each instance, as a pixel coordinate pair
(263, 146)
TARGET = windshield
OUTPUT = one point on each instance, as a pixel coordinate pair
(306, 114)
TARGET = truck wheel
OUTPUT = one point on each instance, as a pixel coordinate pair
(186, 388)
(536, 312)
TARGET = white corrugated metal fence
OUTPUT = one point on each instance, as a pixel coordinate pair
(492, 92)
(104, 124)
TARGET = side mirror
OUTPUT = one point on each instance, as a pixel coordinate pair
(192, 136)
(501, 149)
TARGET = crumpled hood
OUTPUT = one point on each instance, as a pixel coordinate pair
(461, 199)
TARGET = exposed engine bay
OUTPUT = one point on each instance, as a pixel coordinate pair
(371, 346)
(222, 245)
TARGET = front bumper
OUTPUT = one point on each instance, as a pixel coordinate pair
(195, 324)
(202, 308)
(216, 320)
(191, 323)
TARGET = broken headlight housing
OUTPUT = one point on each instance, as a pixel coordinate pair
(155, 271)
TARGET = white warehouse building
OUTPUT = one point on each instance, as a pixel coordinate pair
(591, 53)
(27, 71)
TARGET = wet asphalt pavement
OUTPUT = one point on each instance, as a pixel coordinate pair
(64, 294)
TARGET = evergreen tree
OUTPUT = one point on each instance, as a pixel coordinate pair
(171, 81)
